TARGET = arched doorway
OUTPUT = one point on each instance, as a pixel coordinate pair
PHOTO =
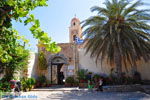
(57, 62)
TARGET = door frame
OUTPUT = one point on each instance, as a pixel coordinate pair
(57, 70)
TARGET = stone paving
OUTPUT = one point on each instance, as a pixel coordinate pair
(81, 95)
(75, 93)
(85, 95)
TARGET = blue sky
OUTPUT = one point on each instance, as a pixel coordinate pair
(55, 19)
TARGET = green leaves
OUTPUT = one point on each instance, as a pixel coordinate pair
(22, 8)
(29, 19)
(118, 26)
(13, 55)
(42, 36)
(42, 3)
(42, 61)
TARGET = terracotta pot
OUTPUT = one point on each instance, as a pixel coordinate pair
(68, 84)
(40, 85)
(49, 85)
(83, 85)
(75, 85)
(37, 85)
(83, 81)
(43, 85)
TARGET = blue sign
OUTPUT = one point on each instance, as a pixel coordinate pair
(78, 40)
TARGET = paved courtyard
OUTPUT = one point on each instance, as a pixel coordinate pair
(82, 95)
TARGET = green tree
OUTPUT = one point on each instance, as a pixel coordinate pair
(42, 63)
(119, 33)
(13, 54)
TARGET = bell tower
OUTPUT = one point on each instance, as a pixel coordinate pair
(75, 30)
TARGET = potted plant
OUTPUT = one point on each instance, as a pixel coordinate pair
(48, 84)
(30, 82)
(24, 84)
(89, 76)
(27, 83)
(69, 81)
(76, 83)
(95, 78)
(41, 80)
(81, 75)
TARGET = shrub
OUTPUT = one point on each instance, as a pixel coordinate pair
(69, 80)
(41, 79)
(24, 84)
(129, 80)
(30, 83)
(125, 79)
(81, 74)
(76, 83)
(89, 76)
(42, 61)
(96, 76)
(107, 81)
(137, 78)
(27, 83)
(5, 87)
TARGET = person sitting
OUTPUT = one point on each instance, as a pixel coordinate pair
(99, 84)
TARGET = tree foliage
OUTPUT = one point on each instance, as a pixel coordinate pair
(20, 10)
(12, 52)
(119, 33)
(42, 63)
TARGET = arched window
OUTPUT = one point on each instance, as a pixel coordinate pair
(74, 23)
(74, 37)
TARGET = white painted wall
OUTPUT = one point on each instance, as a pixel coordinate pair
(32, 66)
(144, 69)
(86, 62)
(1, 75)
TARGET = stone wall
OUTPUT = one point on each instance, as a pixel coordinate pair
(32, 66)
(67, 52)
(86, 62)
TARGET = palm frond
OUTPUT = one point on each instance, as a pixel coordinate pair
(120, 27)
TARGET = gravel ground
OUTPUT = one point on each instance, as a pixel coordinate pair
(81, 95)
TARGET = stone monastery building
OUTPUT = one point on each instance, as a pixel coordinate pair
(72, 58)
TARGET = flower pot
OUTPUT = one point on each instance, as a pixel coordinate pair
(68, 84)
(83, 81)
(49, 85)
(38, 85)
(75, 85)
(83, 85)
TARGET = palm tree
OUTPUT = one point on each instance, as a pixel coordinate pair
(119, 33)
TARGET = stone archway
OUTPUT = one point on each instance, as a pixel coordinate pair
(56, 62)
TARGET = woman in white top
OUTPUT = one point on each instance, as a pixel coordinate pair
(100, 84)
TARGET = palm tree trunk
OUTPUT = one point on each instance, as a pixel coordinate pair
(118, 62)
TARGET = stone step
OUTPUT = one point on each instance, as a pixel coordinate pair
(60, 89)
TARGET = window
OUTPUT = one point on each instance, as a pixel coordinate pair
(70, 59)
(74, 23)
(74, 37)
